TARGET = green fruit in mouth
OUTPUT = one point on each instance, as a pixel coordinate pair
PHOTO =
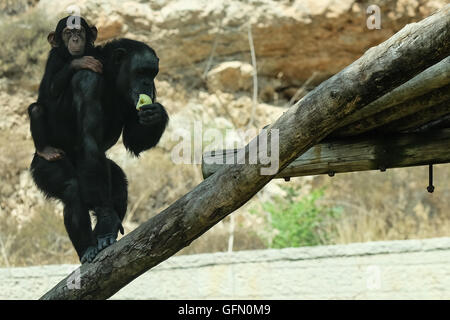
(143, 100)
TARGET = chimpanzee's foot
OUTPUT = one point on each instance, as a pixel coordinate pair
(89, 254)
(105, 241)
(107, 228)
(108, 239)
(50, 153)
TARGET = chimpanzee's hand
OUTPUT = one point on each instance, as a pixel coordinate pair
(87, 62)
(151, 114)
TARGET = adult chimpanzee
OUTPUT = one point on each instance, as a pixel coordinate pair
(71, 47)
(85, 121)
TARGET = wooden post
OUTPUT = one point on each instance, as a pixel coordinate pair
(348, 155)
(425, 106)
(435, 77)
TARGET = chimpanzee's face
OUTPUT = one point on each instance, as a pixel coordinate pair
(75, 40)
(137, 75)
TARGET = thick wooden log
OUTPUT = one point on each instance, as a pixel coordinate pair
(413, 49)
(435, 77)
(442, 122)
(355, 154)
(418, 119)
(424, 103)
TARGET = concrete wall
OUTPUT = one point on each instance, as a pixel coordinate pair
(411, 269)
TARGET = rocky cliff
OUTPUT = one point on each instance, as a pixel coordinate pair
(206, 74)
(292, 39)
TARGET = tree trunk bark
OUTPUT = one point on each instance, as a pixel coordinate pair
(413, 49)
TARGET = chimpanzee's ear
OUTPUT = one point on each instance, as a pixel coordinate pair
(94, 32)
(118, 55)
(51, 39)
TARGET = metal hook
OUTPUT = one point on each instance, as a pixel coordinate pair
(430, 187)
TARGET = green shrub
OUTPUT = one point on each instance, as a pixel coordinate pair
(295, 221)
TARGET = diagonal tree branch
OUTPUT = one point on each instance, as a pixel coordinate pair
(413, 49)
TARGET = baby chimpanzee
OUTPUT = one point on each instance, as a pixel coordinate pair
(72, 50)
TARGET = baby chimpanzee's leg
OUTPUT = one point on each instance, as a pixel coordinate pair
(39, 130)
(50, 153)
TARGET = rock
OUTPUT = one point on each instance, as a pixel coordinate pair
(110, 27)
(222, 123)
(293, 38)
(230, 76)
(240, 110)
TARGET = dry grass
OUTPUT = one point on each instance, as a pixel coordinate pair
(41, 240)
(13, 7)
(376, 206)
(155, 183)
(394, 205)
(216, 239)
(26, 49)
